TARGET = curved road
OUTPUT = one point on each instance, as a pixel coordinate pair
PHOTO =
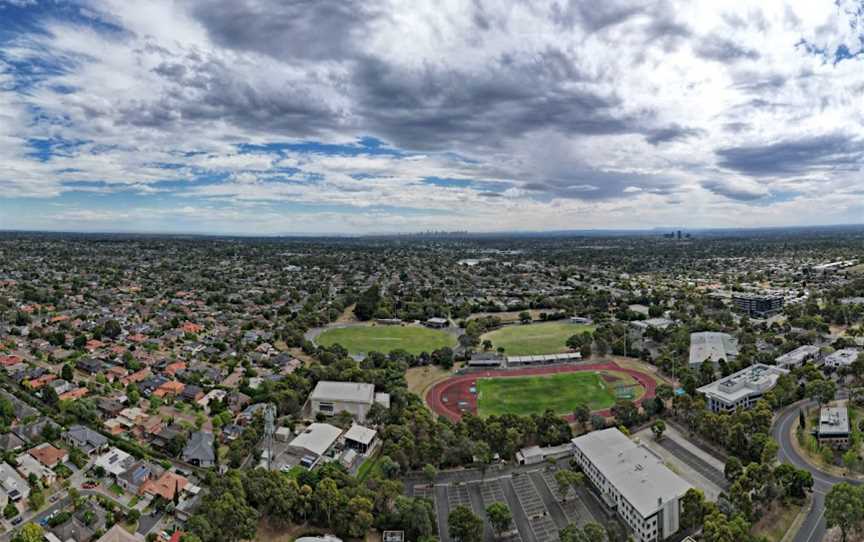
(813, 528)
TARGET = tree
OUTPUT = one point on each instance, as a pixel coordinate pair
(66, 372)
(658, 428)
(10, 511)
(112, 329)
(802, 421)
(464, 526)
(850, 459)
(567, 479)
(844, 508)
(327, 496)
(625, 412)
(594, 532)
(692, 508)
(733, 469)
(430, 472)
(499, 516)
(36, 499)
(360, 512)
(822, 391)
(524, 317)
(582, 414)
(29, 533)
(49, 396)
(665, 392)
(368, 303)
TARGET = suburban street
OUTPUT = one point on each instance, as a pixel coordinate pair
(813, 528)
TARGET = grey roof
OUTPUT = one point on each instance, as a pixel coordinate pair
(797, 356)
(200, 447)
(317, 438)
(833, 421)
(10, 441)
(361, 434)
(842, 357)
(638, 475)
(85, 436)
(350, 392)
(712, 345)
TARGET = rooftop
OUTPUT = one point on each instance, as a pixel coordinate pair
(712, 345)
(361, 434)
(641, 478)
(317, 438)
(833, 421)
(757, 378)
(352, 392)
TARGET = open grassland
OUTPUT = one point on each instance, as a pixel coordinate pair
(374, 338)
(545, 338)
(535, 394)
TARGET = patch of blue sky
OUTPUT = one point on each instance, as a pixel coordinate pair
(45, 149)
(364, 145)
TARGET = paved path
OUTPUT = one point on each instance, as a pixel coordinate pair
(813, 528)
(457, 388)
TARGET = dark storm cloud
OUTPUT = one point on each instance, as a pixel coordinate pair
(671, 133)
(794, 157)
(723, 50)
(285, 29)
(206, 89)
(432, 107)
(731, 191)
(598, 185)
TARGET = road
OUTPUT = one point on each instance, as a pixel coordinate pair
(813, 528)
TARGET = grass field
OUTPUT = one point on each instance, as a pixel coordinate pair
(545, 338)
(364, 339)
(535, 394)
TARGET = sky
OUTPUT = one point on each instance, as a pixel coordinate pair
(286, 117)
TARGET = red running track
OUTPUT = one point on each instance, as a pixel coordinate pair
(445, 397)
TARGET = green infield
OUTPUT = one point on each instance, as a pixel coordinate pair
(364, 339)
(535, 394)
(530, 339)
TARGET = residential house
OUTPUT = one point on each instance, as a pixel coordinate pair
(199, 450)
(86, 440)
(48, 455)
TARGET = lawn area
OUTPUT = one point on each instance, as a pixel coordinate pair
(544, 338)
(364, 339)
(534, 394)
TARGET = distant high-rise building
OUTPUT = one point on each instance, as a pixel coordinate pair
(679, 234)
(758, 305)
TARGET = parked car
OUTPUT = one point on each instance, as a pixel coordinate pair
(17, 521)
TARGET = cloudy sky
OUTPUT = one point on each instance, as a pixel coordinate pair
(331, 116)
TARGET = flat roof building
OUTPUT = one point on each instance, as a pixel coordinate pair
(833, 427)
(712, 346)
(798, 357)
(330, 398)
(742, 389)
(360, 438)
(841, 358)
(633, 481)
(757, 305)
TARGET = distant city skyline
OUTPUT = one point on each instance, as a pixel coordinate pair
(267, 117)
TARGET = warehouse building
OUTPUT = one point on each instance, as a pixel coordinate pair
(330, 398)
(633, 481)
(712, 346)
(742, 389)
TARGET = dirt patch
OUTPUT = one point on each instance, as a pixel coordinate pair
(420, 379)
(347, 316)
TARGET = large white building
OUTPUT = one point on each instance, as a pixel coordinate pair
(330, 398)
(633, 481)
(742, 389)
(798, 357)
(841, 358)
